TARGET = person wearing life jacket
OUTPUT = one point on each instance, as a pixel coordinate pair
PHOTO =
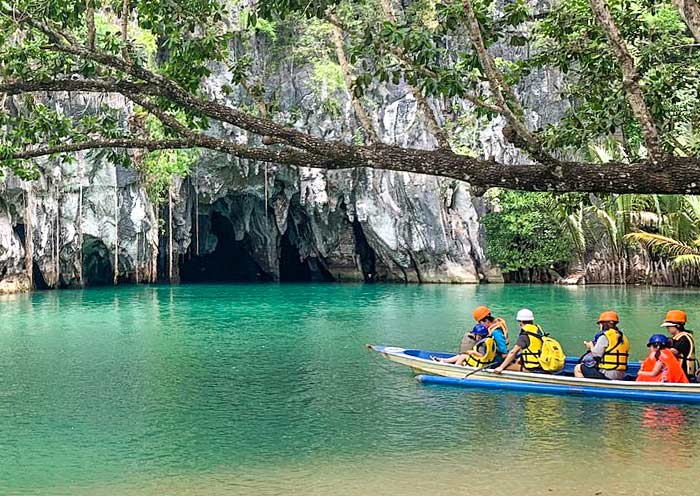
(661, 365)
(682, 341)
(497, 328)
(483, 351)
(608, 352)
(524, 356)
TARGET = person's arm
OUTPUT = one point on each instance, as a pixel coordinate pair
(653, 372)
(508, 359)
(500, 339)
(598, 349)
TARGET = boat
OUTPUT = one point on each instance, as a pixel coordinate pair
(431, 372)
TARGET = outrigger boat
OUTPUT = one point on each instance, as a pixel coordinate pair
(430, 371)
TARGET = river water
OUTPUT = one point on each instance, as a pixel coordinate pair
(269, 390)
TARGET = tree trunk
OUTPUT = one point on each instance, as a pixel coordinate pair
(630, 79)
(690, 12)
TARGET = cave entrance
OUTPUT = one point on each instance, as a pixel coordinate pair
(229, 262)
(97, 263)
(368, 258)
(293, 268)
(37, 277)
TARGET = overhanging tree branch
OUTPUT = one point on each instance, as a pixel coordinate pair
(11, 88)
(630, 80)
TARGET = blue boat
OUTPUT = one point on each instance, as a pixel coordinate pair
(431, 372)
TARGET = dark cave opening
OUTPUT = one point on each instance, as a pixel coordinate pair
(38, 277)
(368, 258)
(97, 263)
(21, 232)
(293, 268)
(229, 262)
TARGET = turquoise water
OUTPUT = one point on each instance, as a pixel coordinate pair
(268, 389)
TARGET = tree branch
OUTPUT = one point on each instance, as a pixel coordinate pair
(503, 93)
(630, 80)
(90, 24)
(125, 30)
(11, 88)
(421, 100)
(360, 112)
(690, 13)
(679, 176)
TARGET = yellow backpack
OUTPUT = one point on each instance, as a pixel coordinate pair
(552, 357)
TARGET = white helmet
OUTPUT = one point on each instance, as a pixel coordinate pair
(525, 315)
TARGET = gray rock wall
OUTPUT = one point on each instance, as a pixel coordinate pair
(233, 217)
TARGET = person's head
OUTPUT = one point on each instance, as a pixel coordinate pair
(657, 342)
(480, 331)
(482, 315)
(525, 316)
(608, 320)
(675, 321)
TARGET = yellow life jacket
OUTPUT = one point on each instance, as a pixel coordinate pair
(690, 360)
(530, 356)
(488, 350)
(499, 323)
(616, 353)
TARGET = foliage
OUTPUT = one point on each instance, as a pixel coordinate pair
(523, 234)
(678, 231)
(176, 45)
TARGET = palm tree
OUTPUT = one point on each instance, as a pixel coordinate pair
(678, 238)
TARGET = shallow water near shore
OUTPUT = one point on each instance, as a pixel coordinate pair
(268, 389)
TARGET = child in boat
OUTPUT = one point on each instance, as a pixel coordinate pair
(498, 330)
(661, 365)
(482, 353)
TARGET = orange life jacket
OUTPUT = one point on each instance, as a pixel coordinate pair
(671, 371)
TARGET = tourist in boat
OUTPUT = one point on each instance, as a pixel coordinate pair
(682, 341)
(497, 328)
(661, 365)
(483, 351)
(527, 349)
(607, 352)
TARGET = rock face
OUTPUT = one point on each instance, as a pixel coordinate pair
(233, 219)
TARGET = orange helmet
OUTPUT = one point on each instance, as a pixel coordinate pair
(480, 313)
(676, 316)
(608, 316)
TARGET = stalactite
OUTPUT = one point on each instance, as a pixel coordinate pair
(116, 231)
(139, 236)
(196, 208)
(80, 228)
(170, 233)
(57, 244)
(266, 216)
(29, 237)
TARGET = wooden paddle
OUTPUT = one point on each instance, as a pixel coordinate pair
(472, 372)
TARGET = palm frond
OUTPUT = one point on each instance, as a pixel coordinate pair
(686, 261)
(662, 245)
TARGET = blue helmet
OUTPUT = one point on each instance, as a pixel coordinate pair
(480, 330)
(658, 339)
